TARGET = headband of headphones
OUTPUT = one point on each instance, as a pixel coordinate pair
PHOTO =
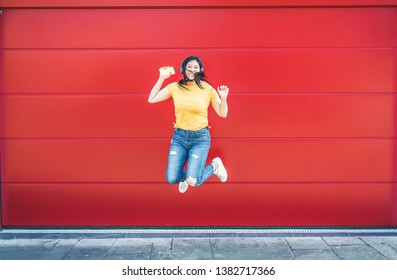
(189, 58)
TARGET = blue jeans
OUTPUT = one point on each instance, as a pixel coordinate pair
(193, 147)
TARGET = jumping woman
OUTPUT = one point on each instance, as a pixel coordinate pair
(191, 139)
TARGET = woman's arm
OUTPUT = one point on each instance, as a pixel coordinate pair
(220, 102)
(157, 94)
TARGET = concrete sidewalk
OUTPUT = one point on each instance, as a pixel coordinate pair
(198, 245)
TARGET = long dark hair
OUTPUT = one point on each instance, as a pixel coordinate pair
(198, 78)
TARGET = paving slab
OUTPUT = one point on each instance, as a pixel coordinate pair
(25, 249)
(343, 241)
(191, 249)
(90, 249)
(241, 248)
(162, 249)
(315, 254)
(280, 248)
(386, 250)
(130, 249)
(357, 252)
(60, 250)
(297, 243)
(391, 240)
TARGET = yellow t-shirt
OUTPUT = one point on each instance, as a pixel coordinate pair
(191, 106)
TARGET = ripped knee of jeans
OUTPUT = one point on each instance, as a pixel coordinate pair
(191, 181)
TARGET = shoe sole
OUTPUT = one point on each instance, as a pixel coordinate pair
(221, 167)
(183, 190)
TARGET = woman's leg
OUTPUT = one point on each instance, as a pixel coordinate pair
(196, 171)
(176, 160)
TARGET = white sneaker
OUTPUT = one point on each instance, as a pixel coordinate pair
(183, 186)
(220, 170)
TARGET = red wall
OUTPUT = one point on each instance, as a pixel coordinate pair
(310, 139)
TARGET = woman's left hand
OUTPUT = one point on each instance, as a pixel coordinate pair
(223, 91)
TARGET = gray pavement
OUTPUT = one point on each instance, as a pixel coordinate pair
(198, 245)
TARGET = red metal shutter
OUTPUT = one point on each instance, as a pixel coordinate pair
(310, 139)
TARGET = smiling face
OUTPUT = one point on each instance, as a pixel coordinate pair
(191, 69)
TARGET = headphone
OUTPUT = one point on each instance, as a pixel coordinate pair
(189, 58)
